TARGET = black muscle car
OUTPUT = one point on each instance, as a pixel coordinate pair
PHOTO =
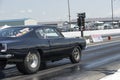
(29, 47)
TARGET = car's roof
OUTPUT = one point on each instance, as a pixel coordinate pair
(35, 26)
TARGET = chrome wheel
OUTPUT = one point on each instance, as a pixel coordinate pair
(31, 63)
(75, 55)
(32, 59)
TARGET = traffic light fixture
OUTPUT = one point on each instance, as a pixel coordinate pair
(81, 15)
(81, 19)
(81, 22)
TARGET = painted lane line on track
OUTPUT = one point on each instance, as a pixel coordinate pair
(100, 45)
(103, 61)
(115, 76)
(103, 43)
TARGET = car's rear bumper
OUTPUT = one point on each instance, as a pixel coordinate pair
(6, 56)
(11, 58)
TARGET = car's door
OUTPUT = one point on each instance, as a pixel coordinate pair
(59, 46)
(43, 43)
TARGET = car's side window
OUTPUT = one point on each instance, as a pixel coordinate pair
(49, 33)
(41, 33)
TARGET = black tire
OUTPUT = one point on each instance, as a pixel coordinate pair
(31, 63)
(75, 56)
(2, 64)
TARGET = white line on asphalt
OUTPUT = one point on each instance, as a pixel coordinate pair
(104, 61)
(103, 43)
(115, 76)
(99, 45)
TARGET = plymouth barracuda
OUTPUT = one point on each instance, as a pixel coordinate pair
(29, 47)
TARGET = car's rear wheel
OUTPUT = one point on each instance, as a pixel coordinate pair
(75, 56)
(2, 64)
(31, 63)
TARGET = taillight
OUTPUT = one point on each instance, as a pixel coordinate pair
(3, 47)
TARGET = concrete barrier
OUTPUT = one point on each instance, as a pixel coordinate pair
(89, 33)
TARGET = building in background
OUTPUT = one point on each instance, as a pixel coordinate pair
(16, 22)
(90, 24)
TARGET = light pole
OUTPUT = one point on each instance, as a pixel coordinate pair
(69, 13)
(112, 13)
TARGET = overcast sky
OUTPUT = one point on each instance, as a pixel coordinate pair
(56, 10)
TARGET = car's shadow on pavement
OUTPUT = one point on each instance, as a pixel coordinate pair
(2, 75)
(13, 73)
(10, 72)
